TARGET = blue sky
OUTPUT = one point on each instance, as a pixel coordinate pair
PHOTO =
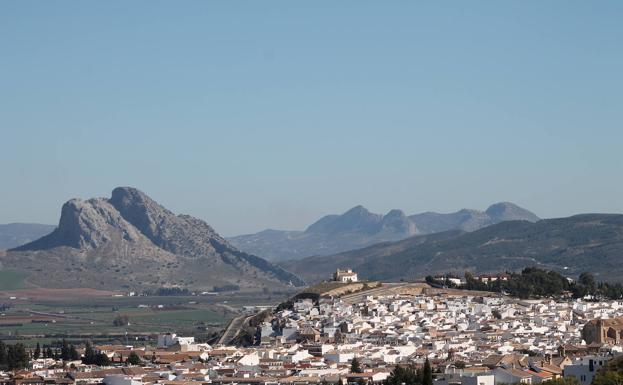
(254, 114)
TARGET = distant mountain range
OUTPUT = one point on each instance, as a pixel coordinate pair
(17, 234)
(587, 242)
(131, 242)
(359, 228)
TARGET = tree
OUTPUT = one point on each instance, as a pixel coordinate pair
(608, 378)
(3, 356)
(101, 359)
(73, 353)
(355, 366)
(562, 381)
(121, 320)
(588, 281)
(17, 358)
(37, 352)
(89, 355)
(133, 359)
(65, 350)
(401, 375)
(427, 374)
(459, 365)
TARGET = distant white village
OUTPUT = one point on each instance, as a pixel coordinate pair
(468, 339)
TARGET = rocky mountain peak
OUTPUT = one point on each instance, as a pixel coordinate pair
(357, 210)
(140, 210)
(506, 211)
(86, 224)
(395, 213)
(133, 229)
(396, 221)
(356, 219)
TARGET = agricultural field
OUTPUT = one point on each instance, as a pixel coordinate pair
(39, 315)
(24, 320)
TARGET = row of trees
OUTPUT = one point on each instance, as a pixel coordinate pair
(13, 356)
(66, 352)
(531, 282)
(17, 356)
(92, 358)
(534, 282)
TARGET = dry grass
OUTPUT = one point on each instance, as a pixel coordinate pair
(336, 289)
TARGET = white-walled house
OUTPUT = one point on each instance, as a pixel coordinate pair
(585, 368)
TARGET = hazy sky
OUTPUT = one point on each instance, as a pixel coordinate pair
(256, 114)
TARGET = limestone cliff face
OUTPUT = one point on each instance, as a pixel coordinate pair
(86, 225)
(132, 229)
(180, 234)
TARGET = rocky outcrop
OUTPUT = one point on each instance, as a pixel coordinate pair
(179, 234)
(86, 225)
(132, 229)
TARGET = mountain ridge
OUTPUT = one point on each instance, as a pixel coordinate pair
(358, 227)
(19, 233)
(584, 242)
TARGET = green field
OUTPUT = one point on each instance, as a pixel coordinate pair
(91, 318)
(99, 320)
(181, 318)
(12, 280)
(31, 319)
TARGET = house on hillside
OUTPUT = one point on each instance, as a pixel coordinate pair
(486, 278)
(345, 276)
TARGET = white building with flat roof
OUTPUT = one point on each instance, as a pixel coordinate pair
(345, 276)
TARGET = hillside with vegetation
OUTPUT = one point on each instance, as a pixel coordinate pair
(533, 282)
(573, 245)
